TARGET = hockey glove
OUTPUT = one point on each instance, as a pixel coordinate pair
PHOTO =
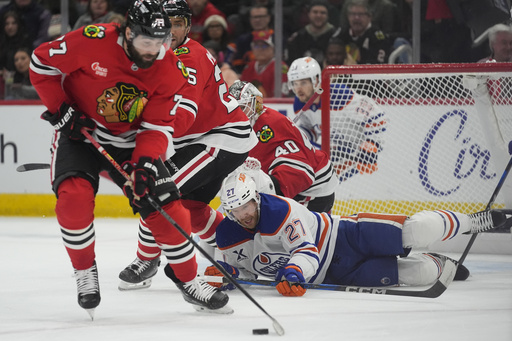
(290, 278)
(367, 157)
(149, 177)
(213, 271)
(69, 121)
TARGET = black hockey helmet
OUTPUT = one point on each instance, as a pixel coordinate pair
(178, 8)
(148, 17)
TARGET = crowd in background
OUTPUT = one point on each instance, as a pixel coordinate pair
(239, 33)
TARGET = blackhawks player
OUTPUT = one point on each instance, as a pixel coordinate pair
(206, 152)
(273, 236)
(357, 122)
(298, 169)
(129, 92)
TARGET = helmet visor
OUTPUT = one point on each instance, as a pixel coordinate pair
(146, 44)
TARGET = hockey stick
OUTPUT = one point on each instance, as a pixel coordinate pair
(308, 104)
(488, 207)
(32, 166)
(277, 326)
(435, 290)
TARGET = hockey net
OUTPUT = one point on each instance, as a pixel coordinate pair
(440, 132)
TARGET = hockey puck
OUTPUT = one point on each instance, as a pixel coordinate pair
(263, 331)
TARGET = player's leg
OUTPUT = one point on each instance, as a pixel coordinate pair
(75, 183)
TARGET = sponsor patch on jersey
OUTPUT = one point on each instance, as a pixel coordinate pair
(265, 134)
(99, 70)
(94, 32)
(121, 103)
(181, 50)
(183, 68)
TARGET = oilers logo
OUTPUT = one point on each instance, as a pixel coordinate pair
(267, 263)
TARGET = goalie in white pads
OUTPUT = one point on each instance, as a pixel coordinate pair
(273, 236)
(357, 122)
(297, 168)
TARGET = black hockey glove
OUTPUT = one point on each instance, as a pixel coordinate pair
(149, 177)
(69, 121)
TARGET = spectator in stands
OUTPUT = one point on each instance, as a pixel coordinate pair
(336, 54)
(229, 75)
(366, 43)
(98, 11)
(216, 29)
(260, 19)
(384, 15)
(311, 41)
(34, 16)
(12, 37)
(262, 67)
(500, 43)
(443, 38)
(21, 87)
(201, 10)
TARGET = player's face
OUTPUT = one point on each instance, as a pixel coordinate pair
(247, 215)
(303, 89)
(143, 49)
(179, 31)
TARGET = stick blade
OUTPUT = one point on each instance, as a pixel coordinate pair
(32, 166)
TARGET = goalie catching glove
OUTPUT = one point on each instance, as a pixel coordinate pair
(149, 177)
(290, 278)
(69, 121)
(213, 271)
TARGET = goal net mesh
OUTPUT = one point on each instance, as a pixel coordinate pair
(406, 138)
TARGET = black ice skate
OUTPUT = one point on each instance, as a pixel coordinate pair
(138, 274)
(201, 295)
(487, 220)
(88, 289)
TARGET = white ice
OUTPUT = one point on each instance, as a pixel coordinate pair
(38, 300)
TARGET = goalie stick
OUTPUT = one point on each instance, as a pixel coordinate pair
(277, 326)
(488, 207)
(32, 166)
(308, 104)
(433, 291)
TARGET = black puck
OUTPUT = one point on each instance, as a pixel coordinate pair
(263, 331)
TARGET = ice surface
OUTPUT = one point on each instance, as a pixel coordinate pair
(38, 300)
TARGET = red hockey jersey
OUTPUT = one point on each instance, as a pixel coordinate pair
(220, 123)
(133, 107)
(287, 154)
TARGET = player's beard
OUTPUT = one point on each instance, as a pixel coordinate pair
(138, 58)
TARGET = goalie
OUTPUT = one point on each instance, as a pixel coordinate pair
(282, 239)
(297, 169)
(357, 122)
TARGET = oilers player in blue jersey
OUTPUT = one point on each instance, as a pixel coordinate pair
(357, 123)
(273, 236)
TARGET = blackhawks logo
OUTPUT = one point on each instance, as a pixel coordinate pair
(265, 134)
(93, 31)
(183, 68)
(121, 103)
(181, 50)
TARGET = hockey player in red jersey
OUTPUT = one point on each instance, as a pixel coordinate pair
(115, 82)
(206, 152)
(273, 236)
(298, 169)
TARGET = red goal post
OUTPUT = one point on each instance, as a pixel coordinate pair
(443, 143)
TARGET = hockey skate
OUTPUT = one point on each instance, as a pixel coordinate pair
(138, 274)
(489, 219)
(201, 295)
(461, 274)
(88, 289)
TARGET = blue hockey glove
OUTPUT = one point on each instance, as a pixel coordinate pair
(213, 271)
(367, 157)
(69, 121)
(290, 278)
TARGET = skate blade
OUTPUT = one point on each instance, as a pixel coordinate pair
(226, 310)
(124, 286)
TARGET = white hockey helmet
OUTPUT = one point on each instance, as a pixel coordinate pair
(237, 190)
(303, 68)
(249, 98)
